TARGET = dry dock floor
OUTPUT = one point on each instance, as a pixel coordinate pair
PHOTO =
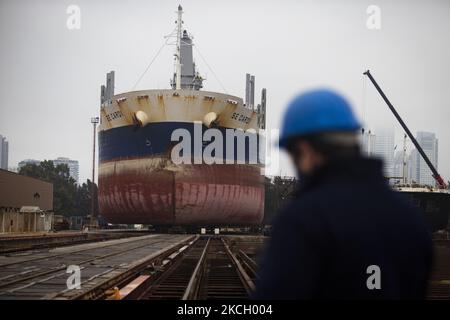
(42, 274)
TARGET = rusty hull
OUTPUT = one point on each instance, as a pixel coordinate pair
(154, 191)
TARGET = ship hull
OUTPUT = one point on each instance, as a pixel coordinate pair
(151, 191)
(139, 183)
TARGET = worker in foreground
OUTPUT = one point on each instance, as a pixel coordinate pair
(346, 234)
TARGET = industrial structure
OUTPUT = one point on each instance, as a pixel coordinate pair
(434, 202)
(26, 204)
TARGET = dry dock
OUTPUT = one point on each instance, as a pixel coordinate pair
(210, 268)
(157, 266)
(42, 274)
(26, 241)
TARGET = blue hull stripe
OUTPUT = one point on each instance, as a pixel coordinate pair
(155, 139)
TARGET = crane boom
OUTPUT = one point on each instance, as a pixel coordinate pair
(436, 175)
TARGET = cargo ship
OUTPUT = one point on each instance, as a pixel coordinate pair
(139, 181)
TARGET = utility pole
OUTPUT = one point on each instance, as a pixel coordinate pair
(93, 221)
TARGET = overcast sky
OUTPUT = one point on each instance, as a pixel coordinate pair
(50, 76)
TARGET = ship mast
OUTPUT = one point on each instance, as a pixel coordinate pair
(178, 52)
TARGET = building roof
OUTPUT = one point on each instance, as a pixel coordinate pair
(17, 191)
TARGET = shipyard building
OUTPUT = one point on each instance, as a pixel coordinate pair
(26, 204)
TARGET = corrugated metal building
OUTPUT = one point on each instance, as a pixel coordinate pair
(26, 204)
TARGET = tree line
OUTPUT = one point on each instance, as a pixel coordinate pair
(69, 198)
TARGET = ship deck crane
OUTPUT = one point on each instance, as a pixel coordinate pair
(436, 175)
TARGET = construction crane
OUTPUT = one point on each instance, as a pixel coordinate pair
(436, 175)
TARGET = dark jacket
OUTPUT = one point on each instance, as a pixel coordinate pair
(344, 219)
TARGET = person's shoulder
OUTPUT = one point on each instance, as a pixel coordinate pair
(299, 211)
(298, 202)
(403, 204)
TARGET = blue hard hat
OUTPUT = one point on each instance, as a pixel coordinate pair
(317, 111)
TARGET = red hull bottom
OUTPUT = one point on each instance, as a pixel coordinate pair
(185, 195)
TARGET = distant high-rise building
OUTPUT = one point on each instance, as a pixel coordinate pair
(384, 149)
(420, 173)
(368, 143)
(4, 146)
(72, 164)
(412, 166)
(401, 166)
(27, 161)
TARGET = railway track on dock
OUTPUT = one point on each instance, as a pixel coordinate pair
(43, 275)
(13, 244)
(208, 269)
